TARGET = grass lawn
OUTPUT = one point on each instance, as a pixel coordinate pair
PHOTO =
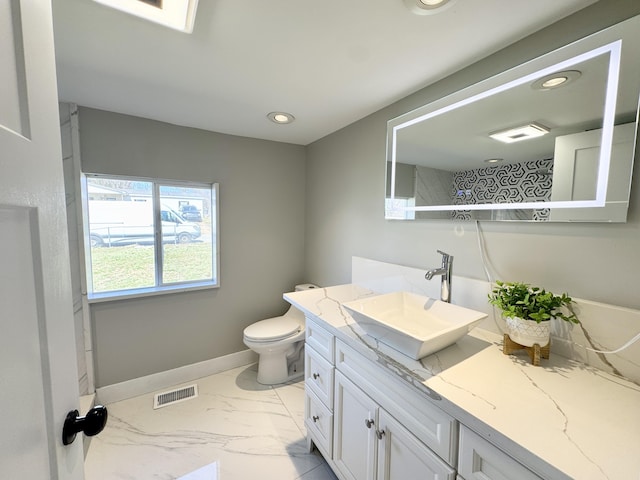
(132, 266)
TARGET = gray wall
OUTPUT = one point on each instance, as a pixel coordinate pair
(345, 201)
(262, 195)
(284, 223)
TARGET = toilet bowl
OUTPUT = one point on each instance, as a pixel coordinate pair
(279, 343)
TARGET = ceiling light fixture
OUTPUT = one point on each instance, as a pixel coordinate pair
(428, 7)
(494, 161)
(177, 14)
(555, 80)
(517, 134)
(280, 117)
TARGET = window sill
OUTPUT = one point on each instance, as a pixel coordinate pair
(148, 292)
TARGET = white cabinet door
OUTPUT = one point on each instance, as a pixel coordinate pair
(370, 444)
(402, 456)
(480, 460)
(575, 174)
(38, 366)
(355, 417)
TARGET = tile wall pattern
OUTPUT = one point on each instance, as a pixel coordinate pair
(71, 168)
(519, 182)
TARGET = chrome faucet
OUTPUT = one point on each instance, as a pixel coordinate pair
(445, 271)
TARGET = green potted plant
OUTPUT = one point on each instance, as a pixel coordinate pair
(528, 309)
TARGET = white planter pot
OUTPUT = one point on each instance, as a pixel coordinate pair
(528, 332)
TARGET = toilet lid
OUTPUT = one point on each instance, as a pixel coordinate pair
(272, 329)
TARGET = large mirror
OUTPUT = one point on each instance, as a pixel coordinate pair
(550, 140)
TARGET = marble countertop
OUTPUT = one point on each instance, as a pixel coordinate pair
(563, 419)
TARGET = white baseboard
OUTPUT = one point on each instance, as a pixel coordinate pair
(158, 381)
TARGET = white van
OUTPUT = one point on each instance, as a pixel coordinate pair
(127, 222)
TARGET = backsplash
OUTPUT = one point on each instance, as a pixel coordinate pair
(602, 327)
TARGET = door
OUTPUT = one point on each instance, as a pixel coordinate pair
(401, 455)
(355, 417)
(575, 174)
(38, 368)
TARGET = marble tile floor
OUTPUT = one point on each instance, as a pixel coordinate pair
(236, 429)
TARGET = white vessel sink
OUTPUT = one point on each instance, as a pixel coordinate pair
(415, 325)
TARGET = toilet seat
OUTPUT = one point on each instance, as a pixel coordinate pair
(272, 329)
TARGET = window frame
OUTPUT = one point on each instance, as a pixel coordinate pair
(159, 288)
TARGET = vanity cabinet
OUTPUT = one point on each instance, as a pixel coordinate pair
(448, 406)
(428, 423)
(369, 426)
(370, 444)
(319, 383)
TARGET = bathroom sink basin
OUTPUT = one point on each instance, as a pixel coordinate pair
(415, 325)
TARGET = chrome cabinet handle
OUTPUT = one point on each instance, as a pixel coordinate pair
(369, 423)
(315, 418)
(379, 434)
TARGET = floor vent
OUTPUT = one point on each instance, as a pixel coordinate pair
(175, 396)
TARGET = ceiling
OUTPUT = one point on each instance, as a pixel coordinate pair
(571, 108)
(328, 63)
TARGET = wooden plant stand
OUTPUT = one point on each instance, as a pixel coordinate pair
(535, 353)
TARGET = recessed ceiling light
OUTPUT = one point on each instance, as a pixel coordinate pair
(555, 80)
(493, 161)
(280, 117)
(517, 134)
(427, 7)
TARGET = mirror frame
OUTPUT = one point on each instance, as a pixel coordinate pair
(606, 42)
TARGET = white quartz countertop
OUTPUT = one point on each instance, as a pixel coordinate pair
(563, 419)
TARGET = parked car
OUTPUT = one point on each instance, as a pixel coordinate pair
(191, 213)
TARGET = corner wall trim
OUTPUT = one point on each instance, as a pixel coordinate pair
(157, 381)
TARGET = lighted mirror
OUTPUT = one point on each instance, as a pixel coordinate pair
(550, 140)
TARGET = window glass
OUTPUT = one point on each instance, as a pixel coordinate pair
(146, 236)
(186, 229)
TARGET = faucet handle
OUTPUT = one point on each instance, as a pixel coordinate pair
(447, 260)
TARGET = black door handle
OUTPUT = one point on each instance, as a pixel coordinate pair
(91, 424)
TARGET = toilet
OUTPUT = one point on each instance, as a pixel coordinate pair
(279, 342)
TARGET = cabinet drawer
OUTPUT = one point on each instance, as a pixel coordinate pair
(318, 374)
(431, 425)
(320, 339)
(480, 460)
(319, 422)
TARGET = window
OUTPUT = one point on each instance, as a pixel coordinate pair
(147, 236)
(400, 208)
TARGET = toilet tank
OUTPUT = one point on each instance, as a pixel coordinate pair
(293, 310)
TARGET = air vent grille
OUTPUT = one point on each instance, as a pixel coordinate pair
(175, 396)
